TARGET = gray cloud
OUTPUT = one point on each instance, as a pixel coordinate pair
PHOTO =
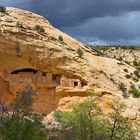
(108, 28)
(104, 20)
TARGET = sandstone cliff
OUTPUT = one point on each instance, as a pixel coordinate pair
(23, 47)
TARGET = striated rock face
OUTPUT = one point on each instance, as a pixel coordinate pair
(50, 64)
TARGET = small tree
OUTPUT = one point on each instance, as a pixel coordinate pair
(80, 52)
(123, 88)
(86, 122)
(119, 127)
(61, 38)
(83, 122)
(2, 8)
(20, 123)
(39, 29)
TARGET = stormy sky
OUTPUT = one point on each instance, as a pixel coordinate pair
(90, 21)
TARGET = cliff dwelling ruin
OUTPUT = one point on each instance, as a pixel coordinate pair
(37, 79)
(48, 86)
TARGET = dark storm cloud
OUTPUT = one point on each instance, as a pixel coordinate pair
(65, 13)
(107, 20)
(108, 28)
(118, 29)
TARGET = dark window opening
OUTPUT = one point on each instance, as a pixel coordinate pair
(56, 78)
(44, 74)
(75, 84)
(83, 84)
(29, 70)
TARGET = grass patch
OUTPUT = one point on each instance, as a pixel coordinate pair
(2, 8)
(134, 91)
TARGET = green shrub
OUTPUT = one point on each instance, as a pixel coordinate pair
(119, 59)
(136, 63)
(22, 130)
(61, 38)
(19, 25)
(138, 68)
(127, 62)
(137, 73)
(39, 29)
(135, 92)
(131, 73)
(80, 52)
(122, 87)
(128, 76)
(2, 8)
(135, 79)
(126, 70)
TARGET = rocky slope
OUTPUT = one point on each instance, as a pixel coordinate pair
(23, 47)
(126, 53)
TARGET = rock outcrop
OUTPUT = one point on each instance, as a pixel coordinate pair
(22, 49)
